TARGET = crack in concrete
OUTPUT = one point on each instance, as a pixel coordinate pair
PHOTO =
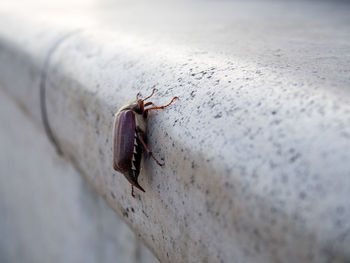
(42, 89)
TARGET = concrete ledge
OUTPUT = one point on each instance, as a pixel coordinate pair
(49, 213)
(256, 150)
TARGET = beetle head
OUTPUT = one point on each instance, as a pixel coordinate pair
(136, 106)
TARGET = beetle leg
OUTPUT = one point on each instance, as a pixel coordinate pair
(150, 95)
(162, 107)
(148, 103)
(132, 191)
(148, 150)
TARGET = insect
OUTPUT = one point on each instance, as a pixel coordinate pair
(130, 124)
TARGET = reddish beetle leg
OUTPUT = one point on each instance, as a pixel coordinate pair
(139, 135)
(147, 104)
(132, 191)
(161, 107)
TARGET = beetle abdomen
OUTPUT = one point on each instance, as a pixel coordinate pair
(137, 155)
(124, 141)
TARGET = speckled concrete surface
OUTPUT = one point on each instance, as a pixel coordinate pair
(49, 213)
(256, 149)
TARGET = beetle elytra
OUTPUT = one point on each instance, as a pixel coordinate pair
(130, 124)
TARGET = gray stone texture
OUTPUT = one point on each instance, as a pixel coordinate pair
(48, 212)
(256, 149)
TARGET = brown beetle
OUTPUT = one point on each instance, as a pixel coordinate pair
(130, 125)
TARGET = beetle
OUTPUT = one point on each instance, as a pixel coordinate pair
(129, 142)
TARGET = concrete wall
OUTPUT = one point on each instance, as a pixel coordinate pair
(49, 213)
(256, 149)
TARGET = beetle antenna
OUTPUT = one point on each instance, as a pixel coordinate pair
(162, 107)
(154, 90)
